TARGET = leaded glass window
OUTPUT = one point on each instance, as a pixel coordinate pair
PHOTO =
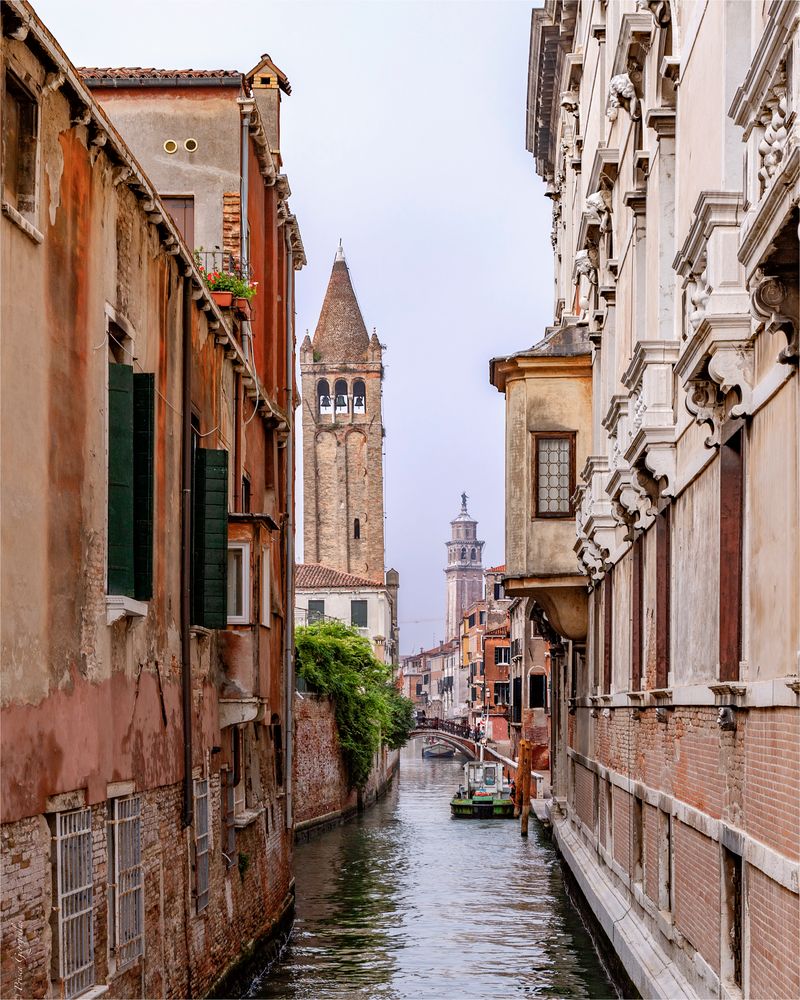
(554, 475)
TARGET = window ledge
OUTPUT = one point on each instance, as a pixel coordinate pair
(246, 817)
(30, 231)
(199, 631)
(118, 606)
(93, 991)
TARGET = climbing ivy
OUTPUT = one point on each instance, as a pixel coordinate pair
(333, 659)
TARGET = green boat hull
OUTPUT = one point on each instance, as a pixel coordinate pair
(481, 807)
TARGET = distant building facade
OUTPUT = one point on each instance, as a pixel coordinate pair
(464, 569)
(325, 594)
(652, 487)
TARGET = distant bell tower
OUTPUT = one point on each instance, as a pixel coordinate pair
(464, 570)
(342, 369)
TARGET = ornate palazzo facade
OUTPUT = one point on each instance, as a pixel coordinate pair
(666, 394)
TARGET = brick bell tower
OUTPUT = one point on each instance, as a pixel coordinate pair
(342, 371)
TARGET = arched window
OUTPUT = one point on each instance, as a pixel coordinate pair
(463, 555)
(359, 396)
(324, 401)
(340, 396)
(357, 528)
(474, 555)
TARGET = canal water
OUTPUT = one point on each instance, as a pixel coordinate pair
(405, 902)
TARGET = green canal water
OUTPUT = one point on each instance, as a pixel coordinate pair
(405, 902)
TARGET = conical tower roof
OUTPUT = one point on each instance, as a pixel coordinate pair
(341, 334)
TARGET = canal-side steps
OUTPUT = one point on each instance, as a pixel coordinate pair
(651, 971)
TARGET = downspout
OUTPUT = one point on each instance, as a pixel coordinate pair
(288, 629)
(244, 264)
(186, 551)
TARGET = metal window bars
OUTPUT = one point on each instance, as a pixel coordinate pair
(127, 890)
(201, 843)
(75, 893)
(222, 261)
(229, 813)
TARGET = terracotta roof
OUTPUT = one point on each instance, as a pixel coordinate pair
(314, 576)
(97, 73)
(341, 334)
(497, 569)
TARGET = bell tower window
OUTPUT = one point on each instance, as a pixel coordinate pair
(357, 528)
(325, 404)
(340, 396)
(463, 555)
(359, 396)
(473, 556)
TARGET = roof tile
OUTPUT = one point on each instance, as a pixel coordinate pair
(313, 576)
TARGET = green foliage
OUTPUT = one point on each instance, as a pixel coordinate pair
(333, 659)
(244, 864)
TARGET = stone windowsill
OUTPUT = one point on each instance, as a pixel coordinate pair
(246, 817)
(119, 606)
(94, 991)
(30, 231)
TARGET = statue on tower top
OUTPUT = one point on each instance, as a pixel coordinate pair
(463, 503)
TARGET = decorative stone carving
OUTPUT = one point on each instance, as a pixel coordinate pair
(773, 141)
(570, 103)
(698, 299)
(600, 202)
(731, 367)
(775, 308)
(622, 94)
(585, 276)
(702, 401)
(658, 8)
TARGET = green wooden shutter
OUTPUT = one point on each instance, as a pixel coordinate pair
(210, 530)
(144, 415)
(120, 480)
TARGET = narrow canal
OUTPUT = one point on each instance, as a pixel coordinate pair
(405, 902)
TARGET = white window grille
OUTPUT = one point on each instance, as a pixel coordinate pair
(229, 791)
(75, 893)
(266, 592)
(239, 797)
(239, 583)
(201, 844)
(127, 890)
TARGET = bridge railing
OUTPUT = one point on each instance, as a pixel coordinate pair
(446, 726)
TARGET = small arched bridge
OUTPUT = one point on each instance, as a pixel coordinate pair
(461, 738)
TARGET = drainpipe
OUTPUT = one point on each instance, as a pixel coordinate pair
(186, 551)
(288, 629)
(247, 107)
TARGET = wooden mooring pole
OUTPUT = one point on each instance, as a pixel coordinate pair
(525, 781)
(518, 779)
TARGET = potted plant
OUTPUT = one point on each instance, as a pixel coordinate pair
(225, 286)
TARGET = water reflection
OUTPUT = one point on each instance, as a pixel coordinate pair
(406, 903)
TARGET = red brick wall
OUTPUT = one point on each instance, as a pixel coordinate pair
(584, 793)
(697, 891)
(650, 850)
(321, 785)
(771, 795)
(241, 906)
(623, 830)
(774, 936)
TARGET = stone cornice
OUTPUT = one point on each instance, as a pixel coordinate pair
(782, 22)
(713, 208)
(635, 28)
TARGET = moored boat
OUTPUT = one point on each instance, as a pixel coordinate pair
(437, 749)
(483, 795)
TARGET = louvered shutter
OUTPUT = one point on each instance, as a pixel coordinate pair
(210, 530)
(120, 480)
(143, 463)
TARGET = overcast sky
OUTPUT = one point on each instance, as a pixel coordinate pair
(405, 136)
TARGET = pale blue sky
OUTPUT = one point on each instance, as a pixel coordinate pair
(405, 136)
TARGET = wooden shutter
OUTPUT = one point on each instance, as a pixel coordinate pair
(731, 504)
(143, 456)
(637, 607)
(120, 480)
(210, 530)
(608, 630)
(663, 597)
